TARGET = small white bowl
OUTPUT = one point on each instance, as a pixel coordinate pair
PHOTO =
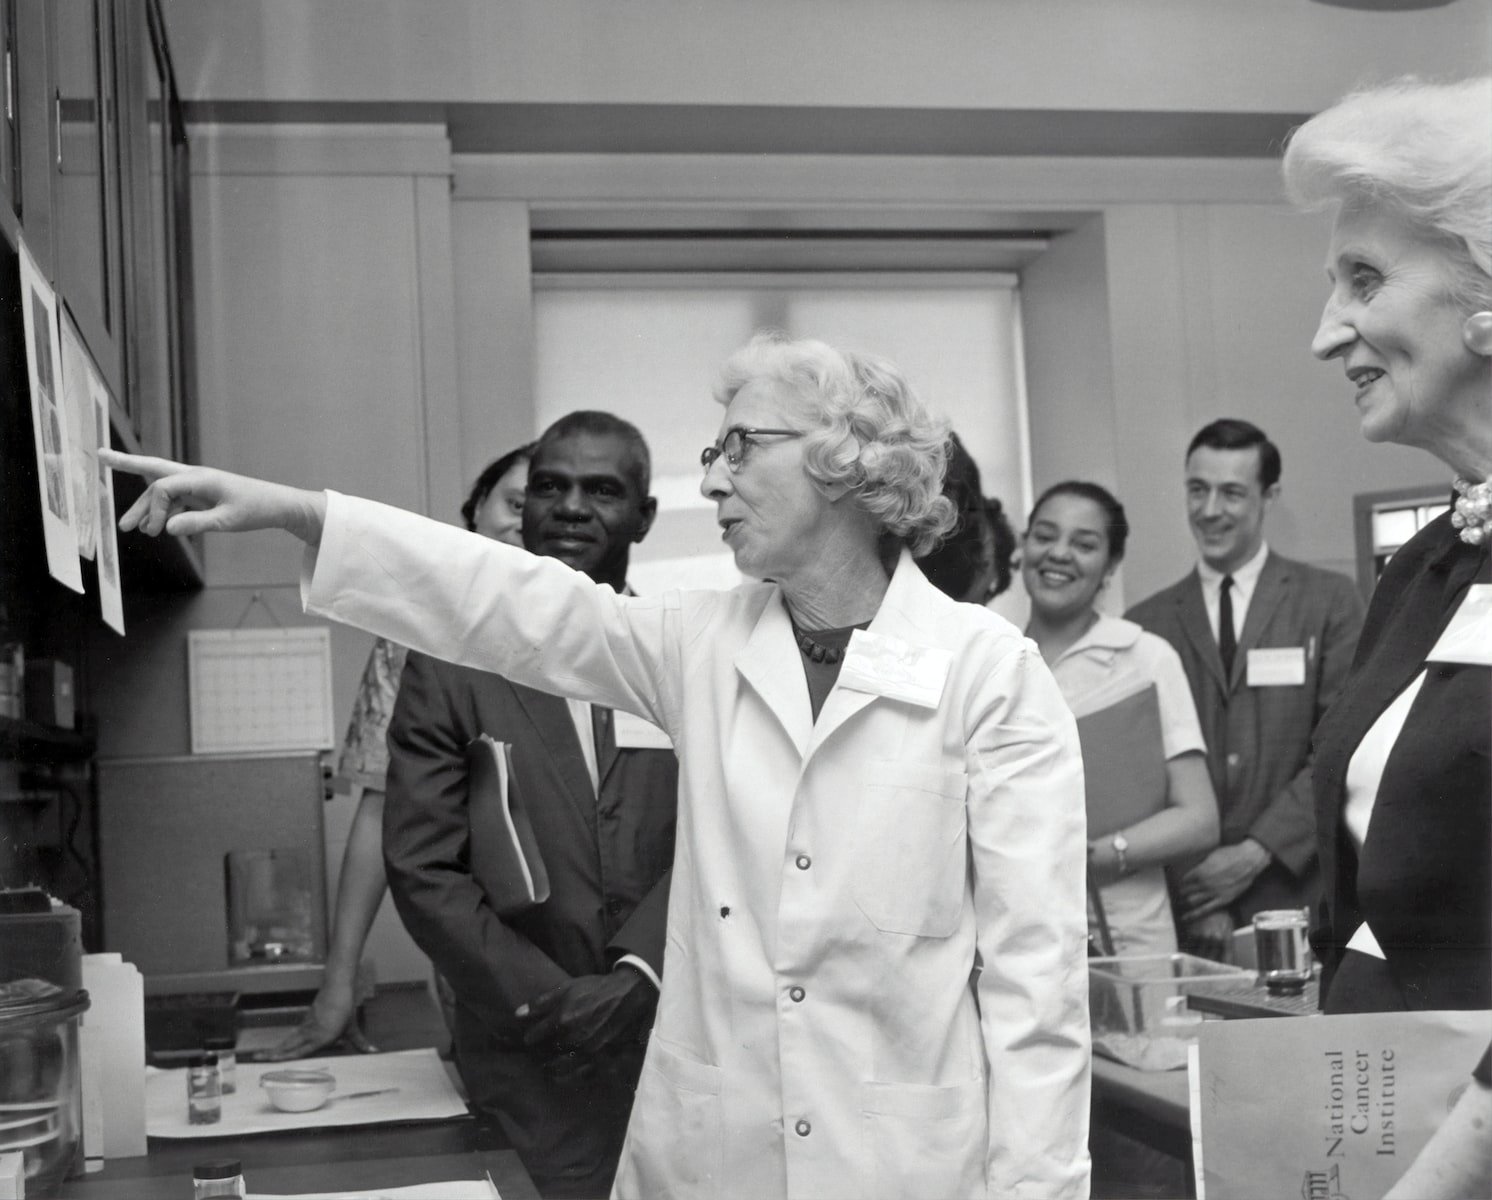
(298, 1089)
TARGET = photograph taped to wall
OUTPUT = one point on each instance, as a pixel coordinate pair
(77, 392)
(260, 689)
(110, 592)
(49, 423)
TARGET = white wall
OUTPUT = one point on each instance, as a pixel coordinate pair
(1186, 291)
(1069, 361)
(321, 264)
(494, 331)
(1182, 55)
(1208, 312)
(1212, 308)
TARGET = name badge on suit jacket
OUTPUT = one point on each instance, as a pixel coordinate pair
(887, 666)
(1277, 666)
(1468, 638)
(633, 733)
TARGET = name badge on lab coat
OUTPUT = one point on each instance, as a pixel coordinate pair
(1468, 638)
(1277, 666)
(633, 733)
(887, 666)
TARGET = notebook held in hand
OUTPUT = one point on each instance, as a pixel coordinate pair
(1124, 762)
(505, 856)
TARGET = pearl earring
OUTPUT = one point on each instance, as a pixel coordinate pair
(1477, 333)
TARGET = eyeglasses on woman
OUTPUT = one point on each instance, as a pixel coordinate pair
(737, 440)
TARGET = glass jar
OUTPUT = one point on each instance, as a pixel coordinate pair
(213, 1180)
(41, 1092)
(204, 1090)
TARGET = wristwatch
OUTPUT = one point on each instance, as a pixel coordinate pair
(1121, 848)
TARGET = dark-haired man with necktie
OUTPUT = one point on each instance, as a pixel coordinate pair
(1266, 642)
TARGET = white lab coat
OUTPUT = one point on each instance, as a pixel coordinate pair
(822, 1030)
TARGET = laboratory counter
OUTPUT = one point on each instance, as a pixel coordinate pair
(337, 1159)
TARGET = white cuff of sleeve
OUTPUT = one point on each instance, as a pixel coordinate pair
(308, 558)
(633, 961)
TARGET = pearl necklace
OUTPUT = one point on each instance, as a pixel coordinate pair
(1473, 511)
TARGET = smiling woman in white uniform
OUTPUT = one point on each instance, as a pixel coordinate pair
(1109, 668)
(876, 979)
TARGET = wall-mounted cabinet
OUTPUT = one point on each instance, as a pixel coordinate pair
(10, 175)
(161, 361)
(94, 177)
(87, 231)
(26, 151)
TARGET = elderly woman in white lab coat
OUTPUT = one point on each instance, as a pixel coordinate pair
(875, 981)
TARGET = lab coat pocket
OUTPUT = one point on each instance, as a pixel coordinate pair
(925, 1140)
(677, 1118)
(910, 848)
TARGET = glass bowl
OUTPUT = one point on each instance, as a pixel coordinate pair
(298, 1089)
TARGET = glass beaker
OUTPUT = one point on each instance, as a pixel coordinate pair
(1284, 951)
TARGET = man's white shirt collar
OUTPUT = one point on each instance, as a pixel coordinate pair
(1244, 580)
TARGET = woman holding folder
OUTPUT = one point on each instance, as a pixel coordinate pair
(1150, 801)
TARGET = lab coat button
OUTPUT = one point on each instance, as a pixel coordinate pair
(804, 862)
(1233, 760)
(797, 994)
(803, 1128)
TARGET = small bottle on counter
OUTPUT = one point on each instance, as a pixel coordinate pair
(214, 1180)
(204, 1090)
(226, 1048)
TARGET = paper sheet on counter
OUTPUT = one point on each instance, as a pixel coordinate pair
(463, 1189)
(425, 1094)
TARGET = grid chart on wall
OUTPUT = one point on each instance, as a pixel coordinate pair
(260, 689)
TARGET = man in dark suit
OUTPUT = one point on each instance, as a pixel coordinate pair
(1266, 643)
(552, 1004)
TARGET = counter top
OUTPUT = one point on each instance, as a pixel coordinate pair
(345, 1159)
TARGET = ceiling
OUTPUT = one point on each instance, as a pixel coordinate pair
(1220, 79)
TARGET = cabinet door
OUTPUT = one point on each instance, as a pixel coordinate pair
(10, 117)
(86, 234)
(160, 362)
(32, 134)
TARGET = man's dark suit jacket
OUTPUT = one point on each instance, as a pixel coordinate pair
(1259, 738)
(1424, 879)
(608, 860)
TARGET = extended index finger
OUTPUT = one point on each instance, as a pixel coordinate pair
(144, 465)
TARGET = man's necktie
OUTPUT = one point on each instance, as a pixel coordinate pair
(1227, 643)
(601, 724)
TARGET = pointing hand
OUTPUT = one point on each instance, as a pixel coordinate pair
(181, 500)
